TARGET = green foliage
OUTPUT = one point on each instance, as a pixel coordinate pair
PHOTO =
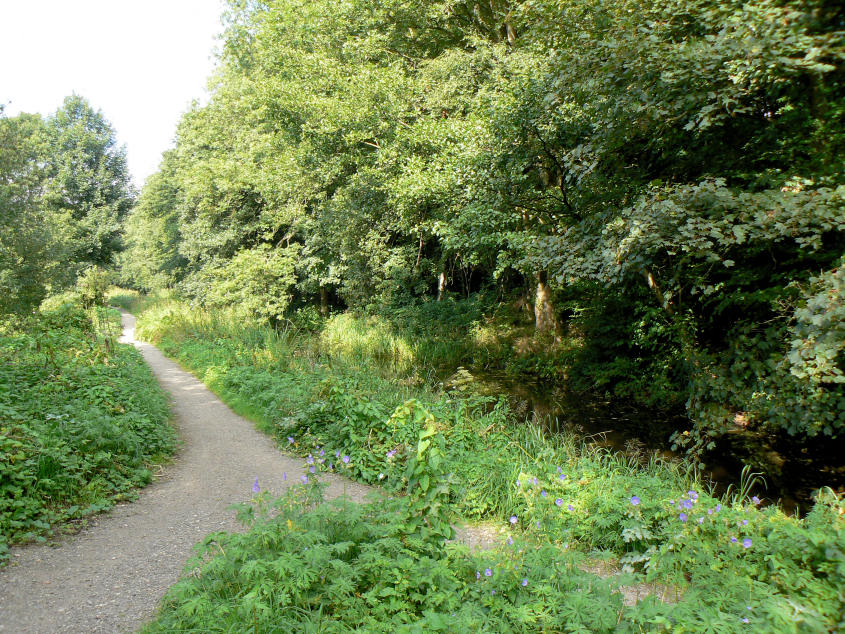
(341, 566)
(81, 420)
(674, 163)
(92, 285)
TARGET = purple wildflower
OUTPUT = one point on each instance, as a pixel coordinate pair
(304, 479)
(346, 460)
(570, 507)
(477, 575)
(311, 469)
(635, 500)
(745, 522)
(524, 582)
(543, 493)
(510, 540)
(255, 487)
(692, 495)
(559, 470)
(700, 520)
(563, 477)
(310, 459)
(534, 481)
(682, 517)
(284, 476)
(290, 439)
(756, 501)
(559, 502)
(733, 540)
(488, 572)
(518, 483)
(710, 511)
(718, 507)
(514, 519)
(746, 543)
(745, 619)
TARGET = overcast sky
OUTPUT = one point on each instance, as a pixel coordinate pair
(141, 62)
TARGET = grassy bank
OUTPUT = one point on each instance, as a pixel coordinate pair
(81, 419)
(733, 564)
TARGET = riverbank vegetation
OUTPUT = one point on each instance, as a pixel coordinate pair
(82, 420)
(699, 560)
(641, 202)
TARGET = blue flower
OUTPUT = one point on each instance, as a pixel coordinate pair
(310, 459)
(514, 519)
(284, 476)
(255, 487)
(745, 522)
(563, 477)
(524, 582)
(488, 572)
(477, 575)
(635, 500)
(534, 481)
(570, 507)
(682, 517)
(718, 507)
(290, 439)
(304, 479)
(518, 483)
(746, 543)
(745, 619)
(693, 495)
(311, 469)
(543, 493)
(510, 540)
(559, 502)
(346, 460)
(756, 501)
(733, 540)
(559, 470)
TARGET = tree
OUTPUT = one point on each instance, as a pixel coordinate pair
(88, 180)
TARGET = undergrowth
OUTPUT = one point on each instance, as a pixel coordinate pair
(81, 419)
(734, 564)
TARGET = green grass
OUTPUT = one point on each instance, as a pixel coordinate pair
(81, 419)
(341, 400)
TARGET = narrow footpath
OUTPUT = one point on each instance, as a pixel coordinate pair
(111, 576)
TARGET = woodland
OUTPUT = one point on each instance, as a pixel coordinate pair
(634, 203)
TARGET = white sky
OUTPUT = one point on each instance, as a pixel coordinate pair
(141, 62)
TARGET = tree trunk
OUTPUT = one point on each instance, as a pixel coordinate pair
(545, 320)
(441, 284)
(324, 301)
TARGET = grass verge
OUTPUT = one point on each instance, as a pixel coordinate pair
(81, 420)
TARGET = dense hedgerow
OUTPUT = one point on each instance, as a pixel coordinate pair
(81, 420)
(720, 556)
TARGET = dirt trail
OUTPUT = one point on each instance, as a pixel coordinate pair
(110, 576)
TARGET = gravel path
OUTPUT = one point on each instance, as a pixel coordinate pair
(110, 576)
